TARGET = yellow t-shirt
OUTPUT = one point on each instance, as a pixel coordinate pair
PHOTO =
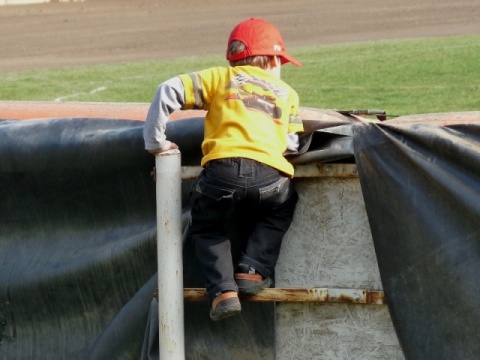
(249, 113)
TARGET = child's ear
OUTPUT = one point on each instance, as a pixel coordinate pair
(274, 62)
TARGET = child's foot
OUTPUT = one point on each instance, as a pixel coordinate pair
(225, 305)
(249, 281)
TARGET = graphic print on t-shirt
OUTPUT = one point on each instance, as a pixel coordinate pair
(257, 94)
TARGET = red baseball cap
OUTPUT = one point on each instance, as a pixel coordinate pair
(261, 38)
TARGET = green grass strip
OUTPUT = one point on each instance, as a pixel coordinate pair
(401, 76)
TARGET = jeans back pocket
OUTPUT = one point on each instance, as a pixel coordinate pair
(276, 193)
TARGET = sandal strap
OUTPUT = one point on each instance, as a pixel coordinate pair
(251, 277)
(218, 299)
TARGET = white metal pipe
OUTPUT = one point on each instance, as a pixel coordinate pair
(169, 256)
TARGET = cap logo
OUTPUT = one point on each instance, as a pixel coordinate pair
(277, 47)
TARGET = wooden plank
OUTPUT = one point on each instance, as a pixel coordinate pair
(317, 295)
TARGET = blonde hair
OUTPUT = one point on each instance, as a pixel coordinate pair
(262, 61)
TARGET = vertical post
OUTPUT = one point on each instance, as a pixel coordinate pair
(169, 256)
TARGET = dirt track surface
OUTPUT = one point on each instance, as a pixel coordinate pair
(106, 31)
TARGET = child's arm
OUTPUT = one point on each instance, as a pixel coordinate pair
(170, 96)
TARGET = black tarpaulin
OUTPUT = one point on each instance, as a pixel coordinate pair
(421, 185)
(78, 248)
(77, 233)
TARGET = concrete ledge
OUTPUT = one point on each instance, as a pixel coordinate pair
(313, 170)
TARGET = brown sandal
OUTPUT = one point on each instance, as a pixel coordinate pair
(225, 305)
(251, 284)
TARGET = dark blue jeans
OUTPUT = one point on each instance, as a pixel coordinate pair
(260, 199)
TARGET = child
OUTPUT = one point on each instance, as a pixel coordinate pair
(252, 119)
